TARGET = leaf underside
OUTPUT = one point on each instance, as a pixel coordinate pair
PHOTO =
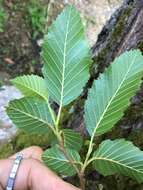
(31, 86)
(66, 57)
(72, 139)
(119, 156)
(110, 94)
(30, 114)
(56, 160)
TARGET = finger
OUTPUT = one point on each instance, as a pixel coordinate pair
(47, 180)
(34, 152)
(21, 181)
(32, 175)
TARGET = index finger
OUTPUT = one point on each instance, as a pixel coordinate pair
(33, 152)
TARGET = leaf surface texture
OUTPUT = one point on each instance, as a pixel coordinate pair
(66, 57)
(31, 86)
(110, 94)
(30, 114)
(57, 161)
(119, 156)
(72, 139)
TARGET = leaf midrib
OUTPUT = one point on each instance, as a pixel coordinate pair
(51, 157)
(36, 118)
(64, 59)
(31, 89)
(116, 162)
(98, 124)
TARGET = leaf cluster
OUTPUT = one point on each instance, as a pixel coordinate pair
(67, 60)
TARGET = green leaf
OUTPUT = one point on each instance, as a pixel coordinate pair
(56, 160)
(66, 56)
(119, 156)
(110, 94)
(31, 85)
(72, 139)
(30, 114)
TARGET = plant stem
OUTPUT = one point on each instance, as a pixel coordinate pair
(82, 181)
(50, 110)
(88, 154)
(61, 143)
(54, 129)
(59, 115)
(80, 175)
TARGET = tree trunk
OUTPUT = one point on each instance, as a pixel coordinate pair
(124, 31)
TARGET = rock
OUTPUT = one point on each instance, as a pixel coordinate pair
(95, 14)
(7, 129)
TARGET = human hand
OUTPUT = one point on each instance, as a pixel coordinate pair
(32, 174)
